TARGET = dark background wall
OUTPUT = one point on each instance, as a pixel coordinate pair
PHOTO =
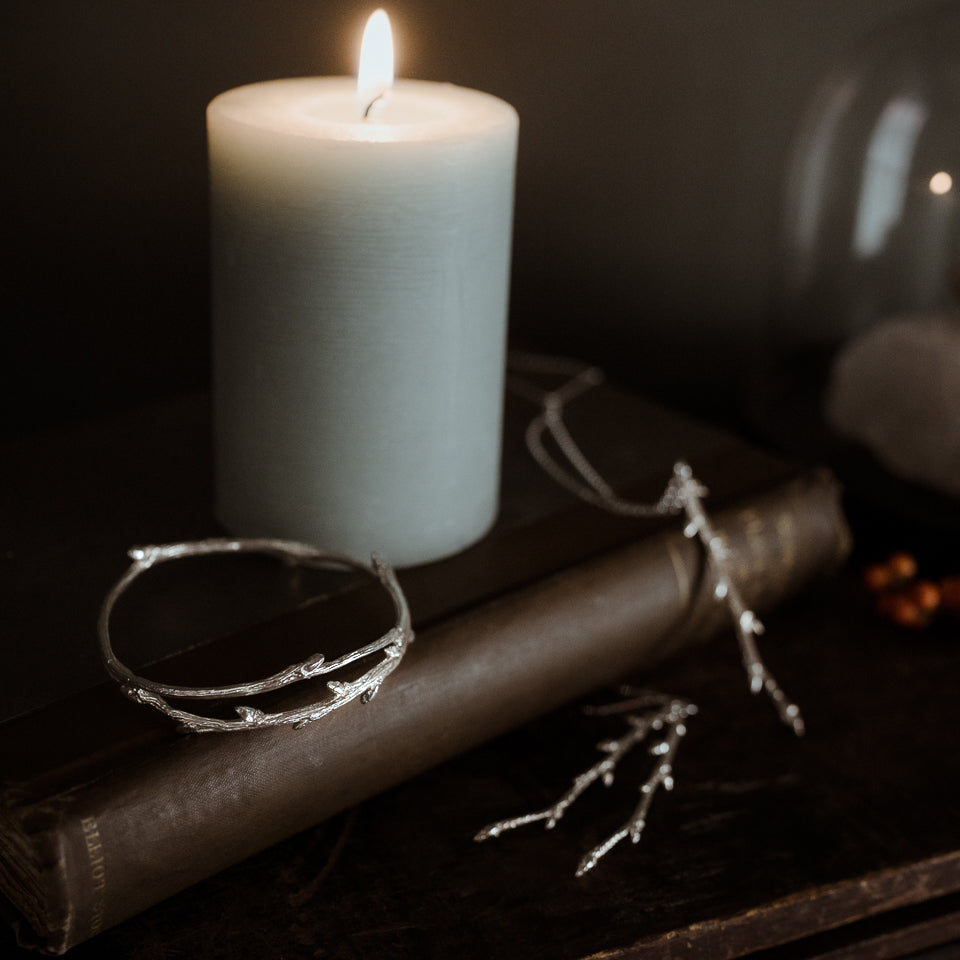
(654, 135)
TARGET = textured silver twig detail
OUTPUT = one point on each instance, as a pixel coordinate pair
(747, 625)
(683, 494)
(663, 714)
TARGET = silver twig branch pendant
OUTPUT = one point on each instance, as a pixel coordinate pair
(746, 623)
(683, 494)
(662, 716)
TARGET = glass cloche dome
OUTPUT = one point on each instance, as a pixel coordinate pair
(864, 351)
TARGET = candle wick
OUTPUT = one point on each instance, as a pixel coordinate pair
(379, 96)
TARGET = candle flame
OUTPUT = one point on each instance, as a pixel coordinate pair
(375, 76)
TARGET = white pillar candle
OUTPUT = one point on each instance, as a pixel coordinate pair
(360, 274)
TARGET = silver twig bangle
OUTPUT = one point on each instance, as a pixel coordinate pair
(392, 645)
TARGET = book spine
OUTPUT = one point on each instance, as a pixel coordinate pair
(196, 804)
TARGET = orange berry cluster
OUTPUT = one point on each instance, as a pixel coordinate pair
(906, 599)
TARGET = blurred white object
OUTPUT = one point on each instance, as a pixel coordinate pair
(896, 389)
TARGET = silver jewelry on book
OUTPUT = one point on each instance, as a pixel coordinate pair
(683, 494)
(391, 646)
(644, 711)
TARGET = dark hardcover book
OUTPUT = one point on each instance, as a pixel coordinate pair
(106, 808)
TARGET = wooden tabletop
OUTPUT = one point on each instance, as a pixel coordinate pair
(840, 844)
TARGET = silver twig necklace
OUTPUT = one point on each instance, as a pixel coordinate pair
(645, 712)
(683, 494)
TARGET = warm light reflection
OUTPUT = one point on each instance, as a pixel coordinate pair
(941, 183)
(375, 76)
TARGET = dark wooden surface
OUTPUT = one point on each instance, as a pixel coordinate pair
(842, 844)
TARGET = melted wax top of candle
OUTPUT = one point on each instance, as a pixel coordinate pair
(326, 108)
